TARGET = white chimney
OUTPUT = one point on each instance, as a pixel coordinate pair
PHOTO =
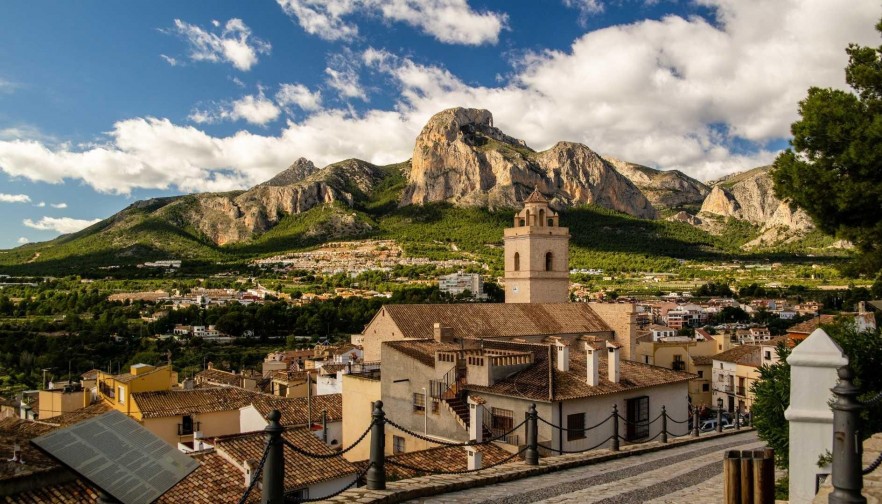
(250, 473)
(613, 362)
(592, 364)
(563, 355)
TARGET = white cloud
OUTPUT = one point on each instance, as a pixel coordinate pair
(669, 93)
(449, 21)
(59, 205)
(300, 95)
(233, 43)
(8, 86)
(253, 109)
(343, 76)
(41, 204)
(170, 60)
(586, 8)
(61, 225)
(14, 198)
(22, 240)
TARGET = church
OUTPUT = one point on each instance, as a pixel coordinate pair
(536, 307)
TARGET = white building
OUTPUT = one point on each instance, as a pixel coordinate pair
(457, 283)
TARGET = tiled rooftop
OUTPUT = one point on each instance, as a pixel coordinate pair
(169, 403)
(496, 320)
(444, 458)
(810, 325)
(300, 470)
(294, 410)
(747, 355)
(216, 480)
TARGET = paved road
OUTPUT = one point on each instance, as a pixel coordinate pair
(691, 473)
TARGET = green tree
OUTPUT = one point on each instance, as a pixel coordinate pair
(771, 399)
(833, 169)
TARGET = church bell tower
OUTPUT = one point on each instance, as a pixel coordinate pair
(536, 255)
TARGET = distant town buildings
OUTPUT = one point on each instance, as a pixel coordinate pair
(457, 284)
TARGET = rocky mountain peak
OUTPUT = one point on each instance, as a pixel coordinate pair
(460, 157)
(295, 173)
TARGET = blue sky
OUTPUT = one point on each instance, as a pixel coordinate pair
(105, 103)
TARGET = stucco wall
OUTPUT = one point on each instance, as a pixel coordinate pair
(210, 424)
(404, 376)
(379, 330)
(622, 319)
(358, 395)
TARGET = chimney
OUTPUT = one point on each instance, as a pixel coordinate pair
(613, 361)
(250, 473)
(592, 364)
(442, 334)
(563, 355)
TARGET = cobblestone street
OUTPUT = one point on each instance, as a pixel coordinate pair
(691, 473)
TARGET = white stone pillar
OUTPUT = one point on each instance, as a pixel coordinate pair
(475, 461)
(813, 365)
(476, 420)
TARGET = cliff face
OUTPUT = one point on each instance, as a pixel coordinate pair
(749, 196)
(232, 217)
(664, 189)
(461, 158)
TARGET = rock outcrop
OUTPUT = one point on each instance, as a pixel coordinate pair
(462, 158)
(232, 217)
(750, 196)
(663, 188)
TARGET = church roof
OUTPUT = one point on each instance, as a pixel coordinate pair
(496, 320)
(536, 197)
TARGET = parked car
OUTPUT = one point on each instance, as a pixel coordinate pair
(711, 425)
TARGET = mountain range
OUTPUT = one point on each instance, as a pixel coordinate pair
(459, 160)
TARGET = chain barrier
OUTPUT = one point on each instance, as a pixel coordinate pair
(872, 467)
(564, 429)
(678, 422)
(639, 423)
(448, 443)
(255, 474)
(328, 455)
(873, 400)
(598, 445)
(463, 471)
(358, 477)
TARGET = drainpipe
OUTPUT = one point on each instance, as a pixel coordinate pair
(561, 422)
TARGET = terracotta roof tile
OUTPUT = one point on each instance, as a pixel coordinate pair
(444, 458)
(73, 492)
(808, 326)
(702, 360)
(300, 470)
(168, 403)
(216, 480)
(496, 320)
(294, 410)
(748, 355)
(533, 382)
(535, 197)
(422, 350)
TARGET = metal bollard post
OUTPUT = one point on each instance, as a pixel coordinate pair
(273, 491)
(615, 414)
(720, 415)
(737, 419)
(664, 425)
(847, 471)
(695, 420)
(376, 473)
(531, 455)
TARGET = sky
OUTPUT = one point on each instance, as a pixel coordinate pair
(105, 103)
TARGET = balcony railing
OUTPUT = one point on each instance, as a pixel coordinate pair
(678, 365)
(742, 391)
(187, 429)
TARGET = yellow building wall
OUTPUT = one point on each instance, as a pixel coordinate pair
(220, 423)
(161, 378)
(358, 395)
(54, 403)
(750, 374)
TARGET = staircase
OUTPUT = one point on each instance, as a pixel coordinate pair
(460, 409)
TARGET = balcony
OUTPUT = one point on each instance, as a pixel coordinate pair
(742, 391)
(678, 365)
(186, 429)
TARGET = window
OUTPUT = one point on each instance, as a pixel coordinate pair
(185, 428)
(701, 374)
(637, 410)
(541, 217)
(298, 495)
(397, 445)
(548, 261)
(501, 420)
(122, 395)
(517, 262)
(646, 359)
(768, 355)
(419, 403)
(550, 222)
(705, 387)
(574, 423)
